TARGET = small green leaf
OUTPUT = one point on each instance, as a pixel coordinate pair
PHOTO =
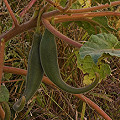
(76, 5)
(89, 68)
(96, 25)
(103, 24)
(4, 94)
(99, 44)
(87, 26)
(104, 70)
(63, 3)
(87, 79)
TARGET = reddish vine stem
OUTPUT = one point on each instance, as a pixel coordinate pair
(2, 47)
(72, 11)
(93, 105)
(14, 70)
(30, 4)
(32, 23)
(12, 81)
(74, 17)
(48, 82)
(2, 113)
(11, 13)
(15, 31)
(58, 34)
(68, 5)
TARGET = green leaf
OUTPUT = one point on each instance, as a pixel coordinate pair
(102, 23)
(99, 44)
(87, 26)
(4, 94)
(104, 70)
(76, 5)
(87, 64)
(89, 68)
(96, 25)
(63, 3)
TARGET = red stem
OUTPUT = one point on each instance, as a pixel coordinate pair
(11, 13)
(2, 113)
(74, 17)
(32, 23)
(48, 82)
(15, 31)
(2, 47)
(67, 7)
(72, 11)
(14, 70)
(12, 81)
(93, 105)
(30, 4)
(60, 35)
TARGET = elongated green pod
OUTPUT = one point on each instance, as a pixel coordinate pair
(7, 110)
(49, 62)
(35, 72)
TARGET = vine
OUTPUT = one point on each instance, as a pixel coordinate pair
(48, 19)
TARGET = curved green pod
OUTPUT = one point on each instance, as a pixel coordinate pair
(19, 105)
(48, 56)
(34, 74)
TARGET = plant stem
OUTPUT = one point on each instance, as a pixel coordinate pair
(72, 11)
(2, 113)
(60, 35)
(93, 105)
(2, 47)
(15, 31)
(43, 9)
(74, 17)
(14, 70)
(68, 5)
(12, 81)
(11, 13)
(30, 4)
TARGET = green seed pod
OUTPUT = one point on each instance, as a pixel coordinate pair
(34, 74)
(19, 105)
(48, 55)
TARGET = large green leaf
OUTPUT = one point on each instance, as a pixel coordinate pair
(99, 44)
(4, 94)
